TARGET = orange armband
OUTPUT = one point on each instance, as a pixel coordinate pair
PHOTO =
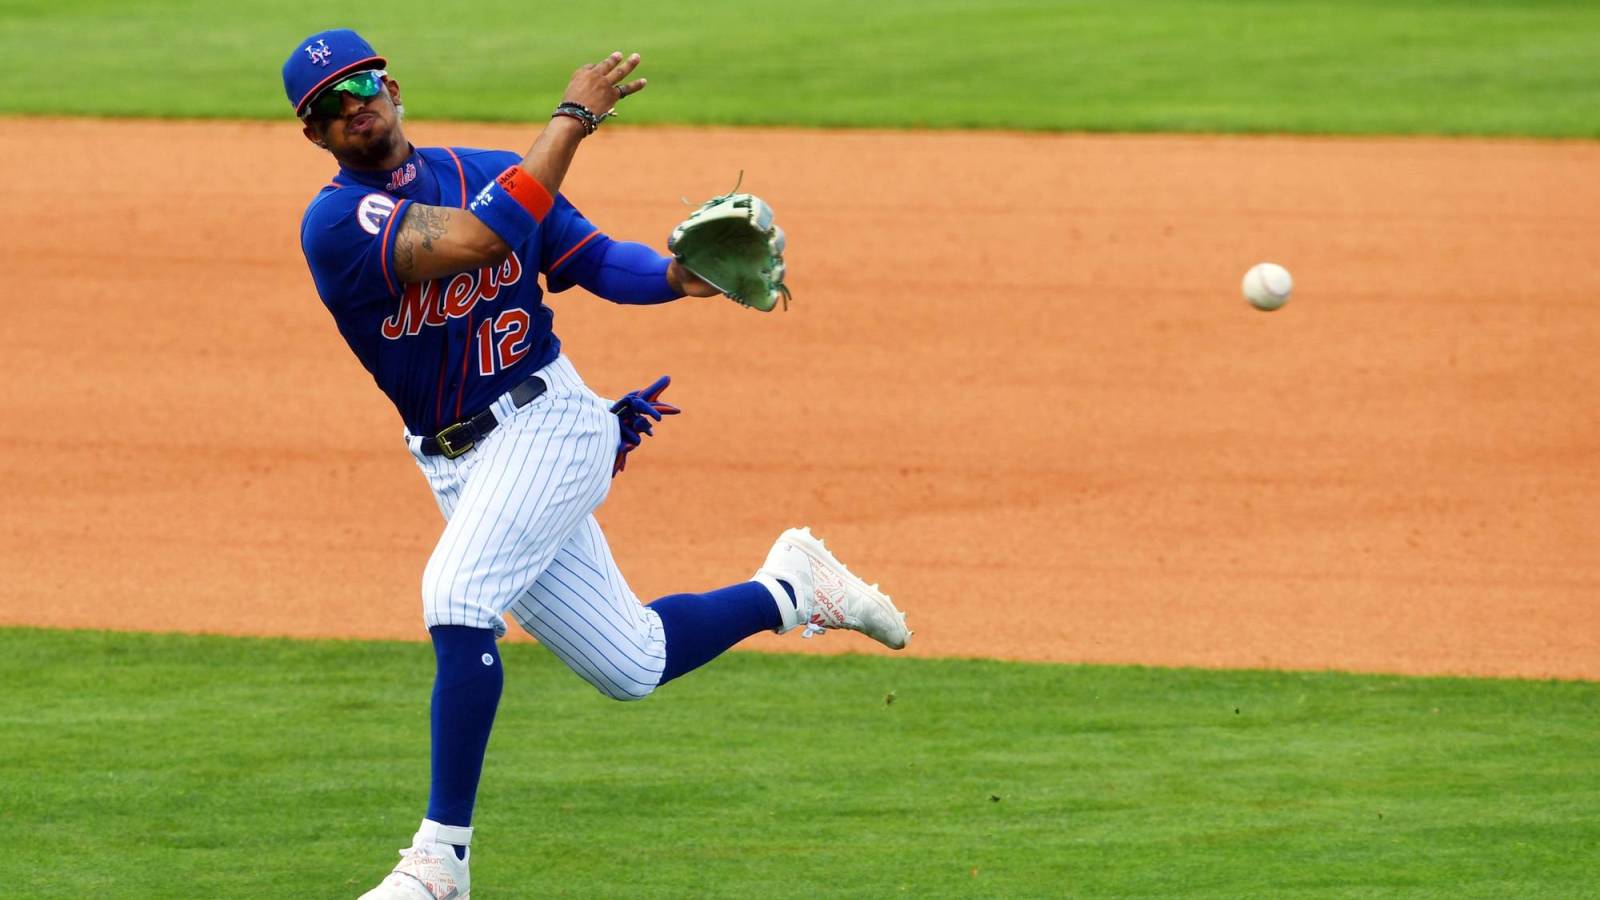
(512, 205)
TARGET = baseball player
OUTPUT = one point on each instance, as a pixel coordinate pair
(430, 261)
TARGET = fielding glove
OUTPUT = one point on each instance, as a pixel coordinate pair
(732, 243)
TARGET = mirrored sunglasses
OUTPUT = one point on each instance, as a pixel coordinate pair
(361, 85)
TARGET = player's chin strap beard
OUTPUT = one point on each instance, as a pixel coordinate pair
(373, 156)
(359, 159)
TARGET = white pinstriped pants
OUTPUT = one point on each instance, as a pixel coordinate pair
(521, 539)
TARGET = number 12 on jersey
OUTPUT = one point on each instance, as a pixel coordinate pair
(502, 341)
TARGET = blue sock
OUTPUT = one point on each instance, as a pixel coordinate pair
(466, 690)
(699, 627)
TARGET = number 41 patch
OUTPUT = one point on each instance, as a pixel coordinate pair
(374, 211)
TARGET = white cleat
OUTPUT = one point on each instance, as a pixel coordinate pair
(428, 870)
(828, 595)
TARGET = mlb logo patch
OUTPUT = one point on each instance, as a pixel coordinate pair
(320, 52)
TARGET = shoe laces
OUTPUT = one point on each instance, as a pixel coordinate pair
(411, 853)
(813, 630)
(416, 852)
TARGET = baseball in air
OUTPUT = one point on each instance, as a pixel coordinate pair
(1267, 286)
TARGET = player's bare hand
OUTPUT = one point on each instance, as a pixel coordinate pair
(687, 283)
(600, 85)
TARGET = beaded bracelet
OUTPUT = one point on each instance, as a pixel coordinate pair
(583, 114)
(588, 126)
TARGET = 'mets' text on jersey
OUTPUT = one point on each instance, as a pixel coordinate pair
(445, 348)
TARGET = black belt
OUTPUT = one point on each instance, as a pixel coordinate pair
(457, 439)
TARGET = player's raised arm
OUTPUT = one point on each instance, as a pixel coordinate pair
(592, 93)
(434, 241)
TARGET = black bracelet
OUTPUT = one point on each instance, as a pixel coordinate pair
(588, 125)
(583, 114)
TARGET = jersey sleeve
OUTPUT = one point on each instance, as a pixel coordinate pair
(569, 245)
(348, 236)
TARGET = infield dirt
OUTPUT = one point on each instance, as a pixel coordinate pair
(1018, 385)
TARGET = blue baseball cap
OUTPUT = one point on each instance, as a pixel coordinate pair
(325, 58)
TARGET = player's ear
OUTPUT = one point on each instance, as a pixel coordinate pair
(394, 96)
(310, 131)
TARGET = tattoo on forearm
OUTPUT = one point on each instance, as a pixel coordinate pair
(421, 225)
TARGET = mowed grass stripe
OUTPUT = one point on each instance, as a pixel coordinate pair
(148, 766)
(1320, 66)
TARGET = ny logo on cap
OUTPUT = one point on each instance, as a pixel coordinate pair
(320, 52)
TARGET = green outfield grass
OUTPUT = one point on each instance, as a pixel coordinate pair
(1336, 66)
(165, 766)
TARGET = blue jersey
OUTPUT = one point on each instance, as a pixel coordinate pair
(441, 349)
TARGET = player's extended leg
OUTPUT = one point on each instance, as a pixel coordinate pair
(582, 609)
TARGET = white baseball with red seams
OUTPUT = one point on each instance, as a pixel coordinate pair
(1267, 286)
